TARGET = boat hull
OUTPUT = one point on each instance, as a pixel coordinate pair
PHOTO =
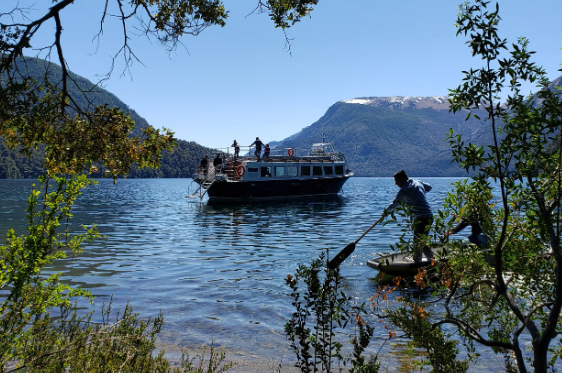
(243, 191)
(403, 264)
(399, 264)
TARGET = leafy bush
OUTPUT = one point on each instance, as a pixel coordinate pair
(320, 308)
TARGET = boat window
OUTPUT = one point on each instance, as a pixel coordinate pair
(253, 170)
(305, 170)
(265, 171)
(317, 170)
(339, 170)
(280, 171)
(293, 171)
(328, 170)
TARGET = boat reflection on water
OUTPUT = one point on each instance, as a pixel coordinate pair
(321, 202)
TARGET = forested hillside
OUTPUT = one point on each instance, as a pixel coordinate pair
(381, 139)
(182, 162)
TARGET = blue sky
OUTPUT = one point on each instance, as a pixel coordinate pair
(239, 81)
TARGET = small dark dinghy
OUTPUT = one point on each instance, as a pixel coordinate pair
(403, 264)
(399, 264)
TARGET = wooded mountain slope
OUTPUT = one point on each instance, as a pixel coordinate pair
(182, 162)
(380, 139)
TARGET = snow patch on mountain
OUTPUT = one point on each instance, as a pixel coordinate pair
(403, 102)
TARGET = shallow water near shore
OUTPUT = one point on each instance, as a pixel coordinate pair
(218, 272)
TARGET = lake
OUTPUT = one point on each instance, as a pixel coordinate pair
(218, 272)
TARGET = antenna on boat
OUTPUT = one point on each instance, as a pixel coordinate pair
(323, 138)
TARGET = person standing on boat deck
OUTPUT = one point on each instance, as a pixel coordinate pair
(236, 149)
(258, 145)
(223, 165)
(412, 194)
(217, 162)
(204, 164)
(266, 151)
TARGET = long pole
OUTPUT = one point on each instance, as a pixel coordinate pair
(342, 255)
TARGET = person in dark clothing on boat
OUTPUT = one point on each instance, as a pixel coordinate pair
(217, 162)
(412, 194)
(266, 151)
(258, 145)
(476, 237)
(204, 164)
(223, 165)
(473, 208)
(236, 149)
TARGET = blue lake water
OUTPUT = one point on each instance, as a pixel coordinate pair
(217, 272)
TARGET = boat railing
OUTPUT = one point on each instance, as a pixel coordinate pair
(249, 151)
(234, 168)
(205, 174)
(231, 161)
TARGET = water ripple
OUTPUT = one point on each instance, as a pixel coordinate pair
(217, 272)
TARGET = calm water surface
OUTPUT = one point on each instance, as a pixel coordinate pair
(217, 272)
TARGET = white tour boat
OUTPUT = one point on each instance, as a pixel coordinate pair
(285, 173)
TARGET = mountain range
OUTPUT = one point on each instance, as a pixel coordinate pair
(378, 135)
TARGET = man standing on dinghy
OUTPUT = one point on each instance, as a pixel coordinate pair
(412, 194)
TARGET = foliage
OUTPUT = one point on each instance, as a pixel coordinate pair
(286, 13)
(24, 311)
(182, 161)
(78, 344)
(214, 362)
(319, 302)
(74, 143)
(442, 352)
(37, 338)
(512, 295)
